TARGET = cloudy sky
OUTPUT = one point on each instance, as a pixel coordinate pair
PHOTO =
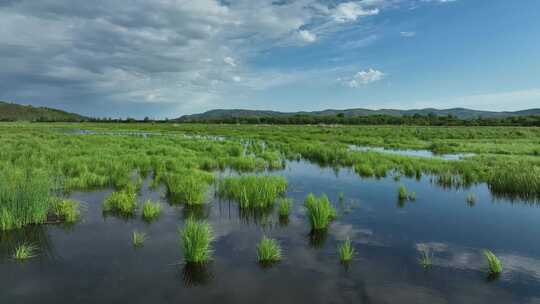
(166, 58)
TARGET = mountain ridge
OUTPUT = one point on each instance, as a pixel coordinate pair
(17, 112)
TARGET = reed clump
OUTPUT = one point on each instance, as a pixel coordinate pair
(65, 210)
(189, 187)
(196, 238)
(346, 251)
(123, 201)
(494, 264)
(138, 238)
(253, 191)
(151, 210)
(320, 211)
(405, 195)
(24, 252)
(284, 207)
(268, 251)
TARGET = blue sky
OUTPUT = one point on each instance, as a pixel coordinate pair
(168, 58)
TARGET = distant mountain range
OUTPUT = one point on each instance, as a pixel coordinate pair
(17, 112)
(461, 113)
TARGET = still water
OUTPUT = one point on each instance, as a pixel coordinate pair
(94, 261)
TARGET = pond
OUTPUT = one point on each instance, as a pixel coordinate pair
(94, 261)
(412, 152)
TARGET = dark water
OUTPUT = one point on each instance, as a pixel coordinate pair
(95, 262)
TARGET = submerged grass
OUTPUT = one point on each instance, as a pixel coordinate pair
(426, 258)
(346, 251)
(196, 238)
(24, 252)
(405, 195)
(494, 264)
(151, 210)
(138, 238)
(320, 211)
(253, 191)
(268, 251)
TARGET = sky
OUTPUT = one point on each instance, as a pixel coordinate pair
(167, 58)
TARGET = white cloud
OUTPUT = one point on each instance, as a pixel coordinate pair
(307, 36)
(363, 78)
(407, 34)
(350, 11)
(230, 61)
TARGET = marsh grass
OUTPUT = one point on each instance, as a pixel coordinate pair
(284, 207)
(65, 210)
(268, 251)
(189, 187)
(346, 251)
(138, 238)
(24, 198)
(494, 264)
(319, 211)
(253, 191)
(123, 201)
(151, 210)
(196, 238)
(426, 258)
(24, 251)
(404, 195)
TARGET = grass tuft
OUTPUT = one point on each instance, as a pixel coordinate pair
(426, 258)
(253, 191)
(24, 252)
(123, 201)
(284, 207)
(66, 209)
(319, 211)
(405, 195)
(196, 238)
(346, 251)
(138, 238)
(188, 188)
(494, 264)
(268, 251)
(151, 210)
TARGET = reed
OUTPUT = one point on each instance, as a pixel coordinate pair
(151, 210)
(284, 207)
(189, 188)
(123, 201)
(346, 251)
(268, 251)
(253, 191)
(319, 210)
(196, 238)
(426, 258)
(138, 238)
(494, 264)
(404, 195)
(65, 210)
(24, 252)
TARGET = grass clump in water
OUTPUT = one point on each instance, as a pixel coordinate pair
(253, 191)
(189, 188)
(24, 198)
(320, 211)
(151, 210)
(494, 264)
(123, 201)
(268, 251)
(66, 210)
(405, 195)
(426, 258)
(138, 238)
(196, 238)
(24, 252)
(346, 251)
(284, 207)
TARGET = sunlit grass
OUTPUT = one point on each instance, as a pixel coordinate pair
(151, 210)
(319, 211)
(190, 187)
(494, 264)
(66, 209)
(346, 251)
(196, 238)
(253, 191)
(268, 251)
(284, 207)
(123, 201)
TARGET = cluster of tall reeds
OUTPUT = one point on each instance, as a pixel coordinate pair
(253, 191)
(320, 211)
(122, 201)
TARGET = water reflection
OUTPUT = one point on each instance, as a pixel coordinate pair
(197, 274)
(32, 235)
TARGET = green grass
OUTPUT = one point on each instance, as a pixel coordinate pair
(284, 207)
(138, 238)
(24, 252)
(405, 195)
(66, 210)
(24, 197)
(268, 251)
(123, 201)
(151, 210)
(196, 238)
(188, 188)
(319, 211)
(346, 251)
(494, 264)
(426, 258)
(252, 191)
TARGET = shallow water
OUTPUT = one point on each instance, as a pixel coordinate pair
(412, 152)
(95, 262)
